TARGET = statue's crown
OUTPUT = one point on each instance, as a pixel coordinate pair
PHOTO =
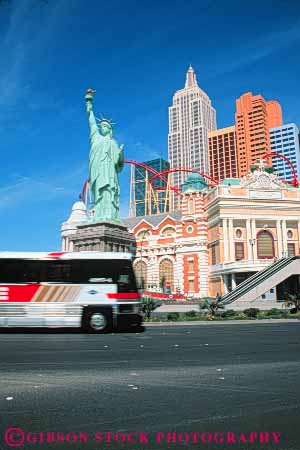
(108, 121)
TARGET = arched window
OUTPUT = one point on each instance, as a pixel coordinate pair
(166, 275)
(168, 231)
(143, 235)
(140, 270)
(265, 245)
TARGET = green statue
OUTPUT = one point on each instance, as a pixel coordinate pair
(106, 160)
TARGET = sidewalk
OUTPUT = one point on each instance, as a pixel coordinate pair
(219, 322)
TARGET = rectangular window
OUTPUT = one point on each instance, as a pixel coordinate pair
(191, 285)
(291, 249)
(239, 251)
(191, 265)
(213, 255)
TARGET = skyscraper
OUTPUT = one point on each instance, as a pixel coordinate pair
(191, 117)
(223, 153)
(285, 140)
(253, 119)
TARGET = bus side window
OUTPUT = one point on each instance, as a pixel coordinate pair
(31, 272)
(19, 271)
(57, 272)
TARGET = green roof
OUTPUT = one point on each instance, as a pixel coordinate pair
(194, 182)
(231, 181)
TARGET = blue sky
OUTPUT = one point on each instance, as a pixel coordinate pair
(135, 54)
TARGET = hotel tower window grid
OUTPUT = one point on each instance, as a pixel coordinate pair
(253, 119)
(285, 140)
(223, 153)
(191, 117)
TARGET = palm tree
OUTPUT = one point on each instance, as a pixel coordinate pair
(148, 306)
(212, 304)
(294, 301)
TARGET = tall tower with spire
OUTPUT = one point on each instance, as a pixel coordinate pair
(191, 117)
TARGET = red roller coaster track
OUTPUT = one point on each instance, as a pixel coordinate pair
(213, 182)
(182, 169)
(295, 181)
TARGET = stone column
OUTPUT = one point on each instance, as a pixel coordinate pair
(225, 282)
(225, 240)
(248, 237)
(279, 238)
(203, 272)
(253, 232)
(284, 238)
(231, 241)
(178, 272)
(233, 281)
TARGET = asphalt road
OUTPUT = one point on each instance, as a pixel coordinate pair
(192, 381)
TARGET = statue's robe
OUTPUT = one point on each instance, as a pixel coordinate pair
(105, 162)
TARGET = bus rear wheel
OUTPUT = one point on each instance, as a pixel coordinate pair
(97, 321)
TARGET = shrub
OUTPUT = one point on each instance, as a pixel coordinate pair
(274, 312)
(191, 314)
(240, 316)
(173, 316)
(228, 313)
(294, 301)
(251, 312)
(294, 316)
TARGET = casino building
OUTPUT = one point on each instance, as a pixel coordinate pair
(221, 236)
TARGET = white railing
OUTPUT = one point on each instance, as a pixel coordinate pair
(254, 265)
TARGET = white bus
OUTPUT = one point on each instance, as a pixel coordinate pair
(92, 290)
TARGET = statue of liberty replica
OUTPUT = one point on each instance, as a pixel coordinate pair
(106, 160)
(104, 231)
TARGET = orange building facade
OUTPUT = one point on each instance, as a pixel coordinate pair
(223, 153)
(220, 237)
(253, 119)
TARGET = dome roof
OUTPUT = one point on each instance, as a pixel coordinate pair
(194, 182)
(78, 213)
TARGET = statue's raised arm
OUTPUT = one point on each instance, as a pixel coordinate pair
(89, 108)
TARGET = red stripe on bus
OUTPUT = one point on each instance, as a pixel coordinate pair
(15, 293)
(129, 296)
(55, 255)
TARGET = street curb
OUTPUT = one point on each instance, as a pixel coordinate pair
(219, 322)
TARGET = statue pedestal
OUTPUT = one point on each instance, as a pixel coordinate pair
(103, 237)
